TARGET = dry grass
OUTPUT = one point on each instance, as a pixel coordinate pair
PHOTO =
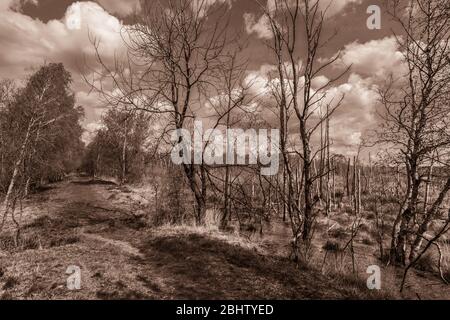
(222, 266)
(211, 232)
(122, 257)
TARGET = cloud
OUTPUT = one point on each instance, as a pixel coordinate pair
(202, 6)
(352, 120)
(371, 63)
(376, 58)
(16, 5)
(350, 123)
(91, 131)
(27, 42)
(335, 7)
(355, 117)
(261, 26)
(357, 114)
(120, 7)
(259, 79)
(319, 82)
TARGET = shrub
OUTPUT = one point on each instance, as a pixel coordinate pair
(332, 246)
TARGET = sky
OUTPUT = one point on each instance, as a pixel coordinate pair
(33, 32)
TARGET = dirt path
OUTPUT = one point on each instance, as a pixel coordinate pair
(73, 223)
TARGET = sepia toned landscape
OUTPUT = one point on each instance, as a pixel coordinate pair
(224, 150)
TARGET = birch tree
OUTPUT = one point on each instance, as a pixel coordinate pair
(43, 105)
(416, 113)
(175, 49)
(296, 69)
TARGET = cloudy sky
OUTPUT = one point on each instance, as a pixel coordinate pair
(33, 32)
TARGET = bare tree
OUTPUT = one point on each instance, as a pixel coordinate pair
(294, 93)
(229, 106)
(416, 112)
(175, 52)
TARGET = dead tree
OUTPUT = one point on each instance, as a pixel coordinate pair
(415, 107)
(287, 19)
(347, 180)
(175, 50)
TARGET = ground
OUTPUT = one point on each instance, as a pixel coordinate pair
(99, 227)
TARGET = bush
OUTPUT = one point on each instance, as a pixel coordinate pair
(332, 246)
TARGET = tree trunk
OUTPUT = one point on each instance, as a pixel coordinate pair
(427, 189)
(124, 155)
(15, 174)
(434, 210)
(354, 193)
(199, 192)
(358, 193)
(348, 178)
(407, 216)
(334, 184)
(328, 168)
(308, 210)
(226, 207)
(27, 187)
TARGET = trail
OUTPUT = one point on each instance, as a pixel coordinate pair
(87, 203)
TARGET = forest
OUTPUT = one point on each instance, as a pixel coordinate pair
(318, 227)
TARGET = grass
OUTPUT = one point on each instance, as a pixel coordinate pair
(338, 233)
(10, 282)
(367, 241)
(220, 266)
(426, 263)
(122, 257)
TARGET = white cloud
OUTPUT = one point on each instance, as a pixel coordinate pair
(351, 121)
(6, 5)
(357, 114)
(259, 79)
(28, 42)
(203, 5)
(90, 131)
(335, 7)
(261, 27)
(120, 7)
(376, 58)
(319, 82)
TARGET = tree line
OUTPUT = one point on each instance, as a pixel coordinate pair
(40, 134)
